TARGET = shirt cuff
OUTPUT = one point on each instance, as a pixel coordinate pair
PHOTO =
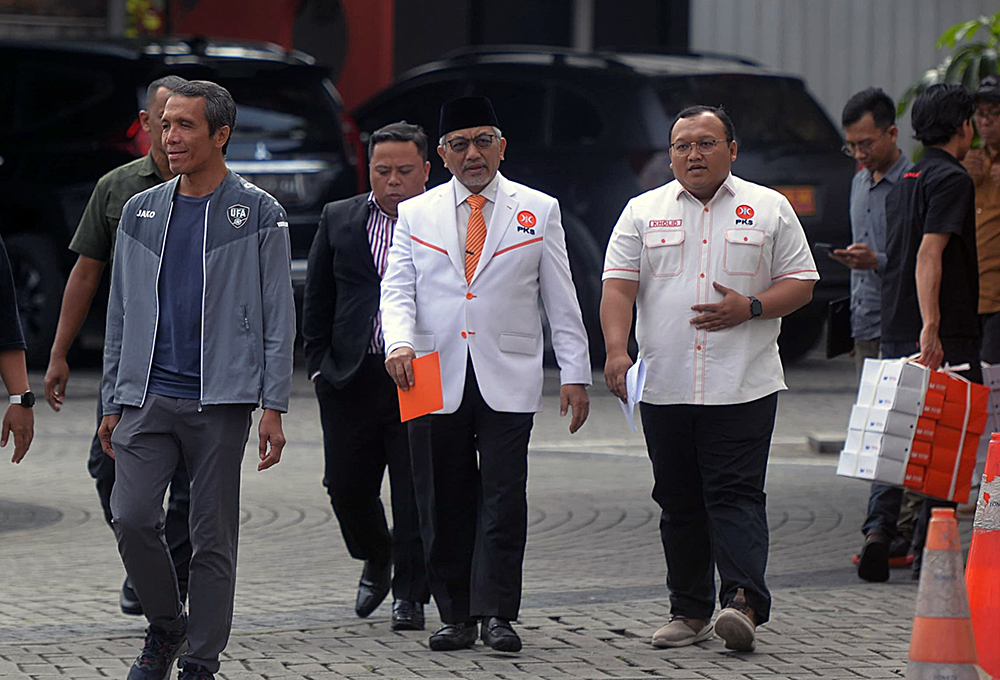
(882, 259)
(620, 273)
(396, 345)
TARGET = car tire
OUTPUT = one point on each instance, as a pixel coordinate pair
(800, 331)
(39, 283)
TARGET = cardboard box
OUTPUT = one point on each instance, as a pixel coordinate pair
(920, 452)
(881, 419)
(938, 484)
(886, 446)
(886, 395)
(871, 467)
(914, 478)
(925, 429)
(853, 442)
(953, 415)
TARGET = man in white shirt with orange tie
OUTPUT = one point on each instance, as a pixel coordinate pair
(712, 263)
(469, 261)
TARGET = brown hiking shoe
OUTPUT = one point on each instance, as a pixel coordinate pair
(737, 623)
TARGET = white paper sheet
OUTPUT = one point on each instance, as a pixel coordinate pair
(635, 379)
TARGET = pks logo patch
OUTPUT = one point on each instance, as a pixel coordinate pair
(743, 214)
(146, 213)
(665, 223)
(238, 215)
(526, 222)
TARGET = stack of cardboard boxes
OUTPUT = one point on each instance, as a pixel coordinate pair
(916, 428)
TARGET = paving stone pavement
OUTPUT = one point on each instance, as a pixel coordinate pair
(593, 578)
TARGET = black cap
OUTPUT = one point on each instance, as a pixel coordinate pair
(989, 90)
(467, 112)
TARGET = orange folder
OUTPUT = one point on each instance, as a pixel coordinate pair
(424, 396)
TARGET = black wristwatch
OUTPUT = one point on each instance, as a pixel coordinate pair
(27, 400)
(756, 309)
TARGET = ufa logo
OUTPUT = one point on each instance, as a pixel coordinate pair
(744, 213)
(238, 215)
(526, 222)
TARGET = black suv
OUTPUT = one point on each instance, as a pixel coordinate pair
(69, 115)
(592, 130)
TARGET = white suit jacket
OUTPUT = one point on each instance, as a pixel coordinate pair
(427, 305)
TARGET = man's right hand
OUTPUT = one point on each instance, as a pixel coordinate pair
(56, 377)
(104, 432)
(856, 256)
(399, 365)
(615, 368)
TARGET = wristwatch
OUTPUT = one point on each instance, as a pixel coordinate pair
(756, 309)
(27, 400)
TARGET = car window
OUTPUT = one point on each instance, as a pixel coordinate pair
(575, 120)
(765, 110)
(520, 108)
(420, 106)
(282, 105)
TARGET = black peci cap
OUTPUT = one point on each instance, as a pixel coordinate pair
(989, 90)
(467, 112)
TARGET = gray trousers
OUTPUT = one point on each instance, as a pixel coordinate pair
(148, 443)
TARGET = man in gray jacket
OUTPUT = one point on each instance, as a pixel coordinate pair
(200, 328)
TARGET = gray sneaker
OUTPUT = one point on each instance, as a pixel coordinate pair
(736, 624)
(681, 632)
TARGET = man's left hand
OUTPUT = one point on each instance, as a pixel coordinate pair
(575, 397)
(20, 422)
(270, 432)
(733, 310)
(931, 351)
(856, 256)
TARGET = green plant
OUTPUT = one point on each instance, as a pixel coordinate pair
(968, 64)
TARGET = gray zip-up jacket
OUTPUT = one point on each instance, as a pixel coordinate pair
(248, 312)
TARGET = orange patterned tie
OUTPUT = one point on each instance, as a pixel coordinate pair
(476, 235)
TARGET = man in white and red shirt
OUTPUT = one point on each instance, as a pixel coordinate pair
(712, 263)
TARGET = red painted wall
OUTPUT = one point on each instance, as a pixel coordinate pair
(261, 20)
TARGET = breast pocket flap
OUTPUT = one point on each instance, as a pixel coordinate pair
(754, 237)
(518, 343)
(664, 237)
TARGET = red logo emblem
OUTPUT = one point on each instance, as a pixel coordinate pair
(744, 212)
(526, 219)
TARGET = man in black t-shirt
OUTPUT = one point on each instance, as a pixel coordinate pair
(930, 285)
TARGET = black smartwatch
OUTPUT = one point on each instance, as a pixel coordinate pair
(27, 400)
(756, 309)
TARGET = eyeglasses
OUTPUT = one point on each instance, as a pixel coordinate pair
(986, 114)
(460, 144)
(864, 146)
(704, 146)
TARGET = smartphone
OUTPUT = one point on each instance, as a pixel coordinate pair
(821, 247)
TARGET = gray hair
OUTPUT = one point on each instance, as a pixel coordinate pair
(220, 109)
(399, 132)
(169, 82)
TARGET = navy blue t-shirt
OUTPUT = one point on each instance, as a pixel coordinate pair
(176, 370)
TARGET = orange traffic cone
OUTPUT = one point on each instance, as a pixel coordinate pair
(942, 644)
(982, 573)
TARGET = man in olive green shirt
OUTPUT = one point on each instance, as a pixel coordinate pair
(94, 243)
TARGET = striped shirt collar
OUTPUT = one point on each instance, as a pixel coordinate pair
(373, 204)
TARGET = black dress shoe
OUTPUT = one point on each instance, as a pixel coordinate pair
(129, 601)
(407, 615)
(374, 586)
(498, 635)
(452, 636)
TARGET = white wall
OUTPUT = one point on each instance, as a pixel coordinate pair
(837, 46)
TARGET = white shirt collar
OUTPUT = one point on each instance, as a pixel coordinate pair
(489, 191)
(729, 185)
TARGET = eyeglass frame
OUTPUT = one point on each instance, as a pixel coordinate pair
(866, 145)
(488, 136)
(713, 143)
(992, 114)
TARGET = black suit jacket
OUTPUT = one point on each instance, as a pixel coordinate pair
(342, 292)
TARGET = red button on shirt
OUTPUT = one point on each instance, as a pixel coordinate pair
(463, 334)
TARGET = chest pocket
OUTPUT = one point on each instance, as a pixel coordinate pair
(744, 251)
(665, 251)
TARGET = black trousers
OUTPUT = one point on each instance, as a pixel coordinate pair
(709, 464)
(362, 435)
(102, 468)
(989, 325)
(473, 512)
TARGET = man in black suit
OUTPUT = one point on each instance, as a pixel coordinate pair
(359, 409)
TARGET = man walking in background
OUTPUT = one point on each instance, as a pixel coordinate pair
(359, 409)
(94, 243)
